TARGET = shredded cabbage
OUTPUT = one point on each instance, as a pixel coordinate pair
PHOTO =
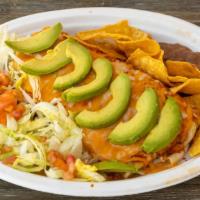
(63, 134)
(32, 125)
(17, 76)
(53, 143)
(26, 147)
(42, 120)
(72, 145)
(21, 79)
(31, 162)
(54, 173)
(5, 52)
(31, 155)
(27, 97)
(11, 123)
(35, 86)
(88, 172)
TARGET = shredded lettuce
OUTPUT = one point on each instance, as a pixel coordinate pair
(6, 52)
(31, 162)
(72, 145)
(26, 147)
(32, 125)
(11, 123)
(47, 109)
(27, 97)
(88, 172)
(64, 135)
(4, 49)
(53, 143)
(18, 164)
(20, 81)
(3, 138)
(41, 120)
(31, 155)
(44, 127)
(54, 173)
(35, 86)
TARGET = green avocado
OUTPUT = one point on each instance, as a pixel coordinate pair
(116, 166)
(139, 125)
(51, 62)
(103, 70)
(121, 92)
(82, 61)
(168, 127)
(38, 42)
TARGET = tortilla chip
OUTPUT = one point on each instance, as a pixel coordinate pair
(110, 52)
(121, 28)
(100, 35)
(194, 100)
(108, 39)
(177, 79)
(190, 86)
(180, 68)
(138, 34)
(156, 68)
(160, 55)
(149, 46)
(195, 148)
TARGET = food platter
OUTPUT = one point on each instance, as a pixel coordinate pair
(164, 29)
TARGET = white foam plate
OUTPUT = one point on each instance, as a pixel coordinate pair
(163, 28)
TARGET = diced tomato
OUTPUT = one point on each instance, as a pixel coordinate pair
(3, 117)
(67, 165)
(10, 104)
(18, 112)
(10, 160)
(70, 173)
(4, 80)
(56, 160)
(6, 149)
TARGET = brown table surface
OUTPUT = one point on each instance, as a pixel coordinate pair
(185, 9)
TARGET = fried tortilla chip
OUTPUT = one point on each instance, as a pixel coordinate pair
(160, 55)
(177, 79)
(121, 28)
(154, 67)
(109, 37)
(149, 46)
(190, 86)
(180, 68)
(110, 52)
(101, 35)
(195, 148)
(194, 102)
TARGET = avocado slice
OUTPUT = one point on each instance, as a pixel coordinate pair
(121, 92)
(51, 62)
(38, 42)
(103, 70)
(82, 61)
(116, 166)
(139, 125)
(166, 130)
